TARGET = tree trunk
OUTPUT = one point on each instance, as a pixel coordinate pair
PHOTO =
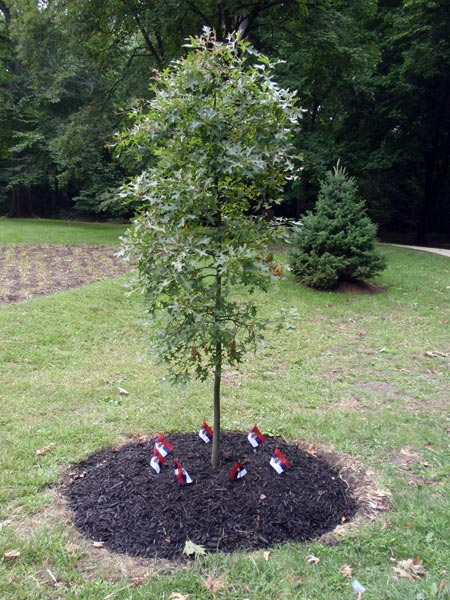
(215, 456)
(21, 204)
(427, 202)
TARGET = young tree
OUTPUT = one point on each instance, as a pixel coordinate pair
(219, 131)
(336, 242)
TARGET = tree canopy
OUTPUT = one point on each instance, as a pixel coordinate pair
(219, 130)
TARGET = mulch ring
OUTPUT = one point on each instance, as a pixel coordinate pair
(359, 287)
(120, 502)
(32, 270)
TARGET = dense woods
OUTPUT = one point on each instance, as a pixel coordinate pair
(373, 78)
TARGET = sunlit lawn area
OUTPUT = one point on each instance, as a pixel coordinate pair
(366, 375)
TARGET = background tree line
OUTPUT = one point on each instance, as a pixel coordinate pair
(374, 78)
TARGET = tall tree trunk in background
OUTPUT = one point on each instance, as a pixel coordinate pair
(433, 210)
(425, 215)
(21, 203)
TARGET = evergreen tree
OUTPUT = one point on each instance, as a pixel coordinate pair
(336, 242)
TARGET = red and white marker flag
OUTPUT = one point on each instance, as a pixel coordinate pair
(163, 446)
(182, 474)
(205, 433)
(279, 462)
(157, 460)
(238, 471)
(255, 437)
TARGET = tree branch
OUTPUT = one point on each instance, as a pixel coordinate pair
(5, 10)
(145, 35)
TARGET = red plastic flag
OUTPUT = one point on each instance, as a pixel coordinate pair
(255, 437)
(163, 446)
(157, 460)
(182, 474)
(279, 462)
(238, 471)
(205, 433)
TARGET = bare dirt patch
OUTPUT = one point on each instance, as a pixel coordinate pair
(32, 270)
(359, 287)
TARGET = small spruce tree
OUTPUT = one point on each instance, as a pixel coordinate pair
(337, 241)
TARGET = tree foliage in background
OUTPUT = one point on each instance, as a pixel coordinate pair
(372, 74)
(71, 71)
(337, 242)
(57, 111)
(397, 131)
(330, 55)
(220, 131)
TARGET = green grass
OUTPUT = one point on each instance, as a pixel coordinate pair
(365, 374)
(46, 231)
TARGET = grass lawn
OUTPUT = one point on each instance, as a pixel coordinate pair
(364, 374)
(46, 231)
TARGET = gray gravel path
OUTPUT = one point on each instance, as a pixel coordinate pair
(441, 251)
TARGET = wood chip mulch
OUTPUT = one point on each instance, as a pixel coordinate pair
(118, 499)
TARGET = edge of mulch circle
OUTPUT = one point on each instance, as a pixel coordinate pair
(371, 501)
(359, 287)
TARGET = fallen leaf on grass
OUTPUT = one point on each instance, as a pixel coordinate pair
(418, 481)
(5, 523)
(412, 568)
(123, 392)
(179, 596)
(191, 549)
(266, 555)
(45, 449)
(312, 449)
(140, 580)
(410, 457)
(313, 559)
(215, 584)
(278, 271)
(441, 587)
(381, 505)
(12, 553)
(404, 574)
(347, 570)
(295, 581)
(72, 548)
(98, 544)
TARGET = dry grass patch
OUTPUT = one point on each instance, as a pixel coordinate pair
(31, 270)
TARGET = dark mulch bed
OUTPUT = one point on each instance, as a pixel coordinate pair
(119, 499)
